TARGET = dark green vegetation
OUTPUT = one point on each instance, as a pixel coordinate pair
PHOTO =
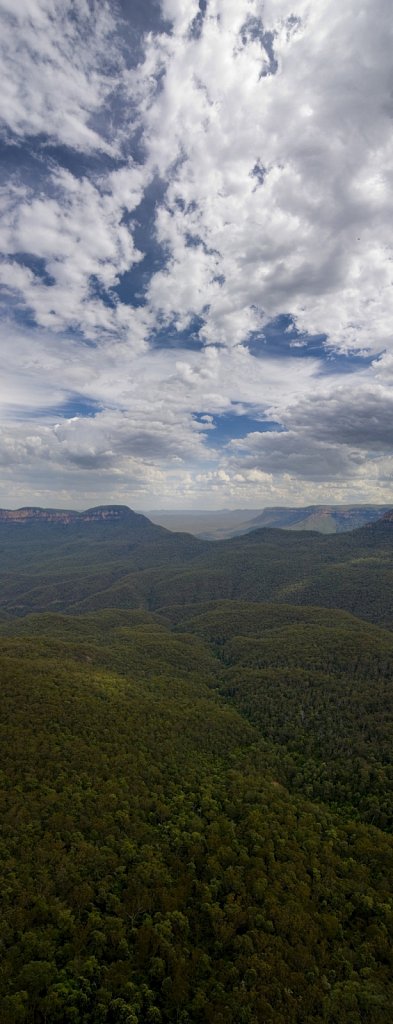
(197, 787)
(130, 563)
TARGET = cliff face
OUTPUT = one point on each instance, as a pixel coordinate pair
(103, 513)
(387, 518)
(323, 518)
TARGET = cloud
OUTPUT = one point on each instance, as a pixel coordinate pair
(79, 234)
(141, 414)
(313, 237)
(309, 235)
(173, 190)
(302, 457)
(360, 417)
(59, 66)
(145, 428)
(338, 436)
(38, 370)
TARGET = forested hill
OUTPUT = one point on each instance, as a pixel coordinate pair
(115, 524)
(197, 774)
(195, 818)
(112, 557)
(41, 539)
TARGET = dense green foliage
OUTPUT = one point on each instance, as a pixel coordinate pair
(50, 567)
(319, 684)
(153, 870)
(197, 794)
(316, 683)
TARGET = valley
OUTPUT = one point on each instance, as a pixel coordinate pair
(197, 773)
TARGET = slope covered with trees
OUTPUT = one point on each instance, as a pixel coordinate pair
(130, 563)
(197, 786)
(155, 870)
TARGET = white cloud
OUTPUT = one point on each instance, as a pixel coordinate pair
(145, 430)
(79, 233)
(338, 436)
(58, 67)
(269, 128)
(314, 239)
(113, 376)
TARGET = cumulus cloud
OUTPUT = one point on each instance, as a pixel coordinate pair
(41, 371)
(174, 194)
(284, 178)
(339, 436)
(362, 418)
(79, 235)
(59, 65)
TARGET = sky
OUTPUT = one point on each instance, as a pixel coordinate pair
(196, 229)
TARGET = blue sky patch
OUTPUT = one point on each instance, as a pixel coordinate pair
(35, 263)
(280, 338)
(230, 425)
(133, 284)
(169, 337)
(75, 405)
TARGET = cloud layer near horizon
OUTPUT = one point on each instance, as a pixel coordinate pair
(196, 213)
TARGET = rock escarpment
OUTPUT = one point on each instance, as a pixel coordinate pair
(102, 513)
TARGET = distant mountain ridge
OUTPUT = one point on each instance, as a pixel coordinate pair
(205, 523)
(100, 513)
(386, 518)
(223, 524)
(323, 518)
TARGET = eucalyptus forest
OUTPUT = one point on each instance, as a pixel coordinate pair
(197, 773)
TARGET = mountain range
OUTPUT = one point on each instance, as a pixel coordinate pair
(113, 557)
(223, 524)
